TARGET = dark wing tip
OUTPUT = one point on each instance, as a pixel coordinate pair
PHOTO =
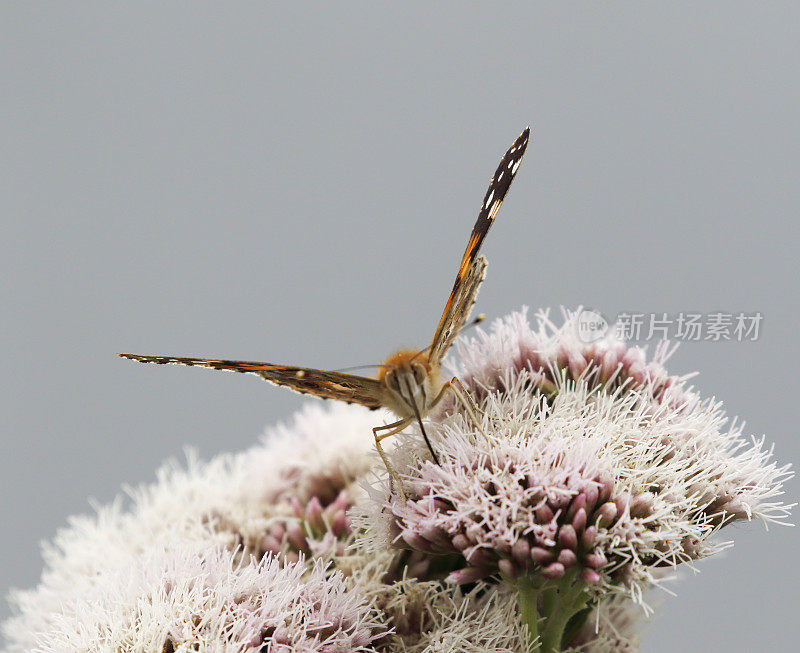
(144, 359)
(522, 142)
(132, 357)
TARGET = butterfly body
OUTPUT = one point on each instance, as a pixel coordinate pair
(409, 382)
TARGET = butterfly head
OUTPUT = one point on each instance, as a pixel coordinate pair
(411, 382)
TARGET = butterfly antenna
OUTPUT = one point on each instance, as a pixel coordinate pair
(358, 367)
(480, 317)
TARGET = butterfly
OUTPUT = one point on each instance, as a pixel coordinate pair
(409, 382)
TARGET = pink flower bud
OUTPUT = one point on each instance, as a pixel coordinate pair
(521, 551)
(297, 538)
(508, 568)
(541, 556)
(607, 513)
(339, 524)
(588, 536)
(642, 504)
(567, 538)
(313, 513)
(544, 514)
(579, 521)
(595, 560)
(416, 541)
(553, 570)
(460, 542)
(590, 576)
(577, 503)
(466, 575)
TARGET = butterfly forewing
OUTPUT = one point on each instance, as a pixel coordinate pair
(321, 383)
(498, 188)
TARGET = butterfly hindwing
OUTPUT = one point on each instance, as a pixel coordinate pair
(321, 383)
(496, 193)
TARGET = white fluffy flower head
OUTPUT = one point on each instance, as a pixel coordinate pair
(286, 496)
(185, 599)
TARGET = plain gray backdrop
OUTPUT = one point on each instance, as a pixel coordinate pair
(297, 184)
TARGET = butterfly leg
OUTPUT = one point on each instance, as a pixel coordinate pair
(457, 388)
(473, 410)
(391, 429)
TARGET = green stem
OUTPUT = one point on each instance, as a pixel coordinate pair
(528, 600)
(546, 608)
(570, 599)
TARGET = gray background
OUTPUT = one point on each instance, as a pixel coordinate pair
(297, 185)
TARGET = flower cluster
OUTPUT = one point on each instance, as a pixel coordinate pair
(551, 355)
(315, 529)
(245, 504)
(590, 471)
(586, 480)
(184, 598)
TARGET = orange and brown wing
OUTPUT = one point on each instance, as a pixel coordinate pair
(321, 383)
(498, 188)
(461, 308)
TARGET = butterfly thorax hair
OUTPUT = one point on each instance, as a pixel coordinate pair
(410, 381)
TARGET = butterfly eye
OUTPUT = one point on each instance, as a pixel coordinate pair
(419, 373)
(390, 379)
